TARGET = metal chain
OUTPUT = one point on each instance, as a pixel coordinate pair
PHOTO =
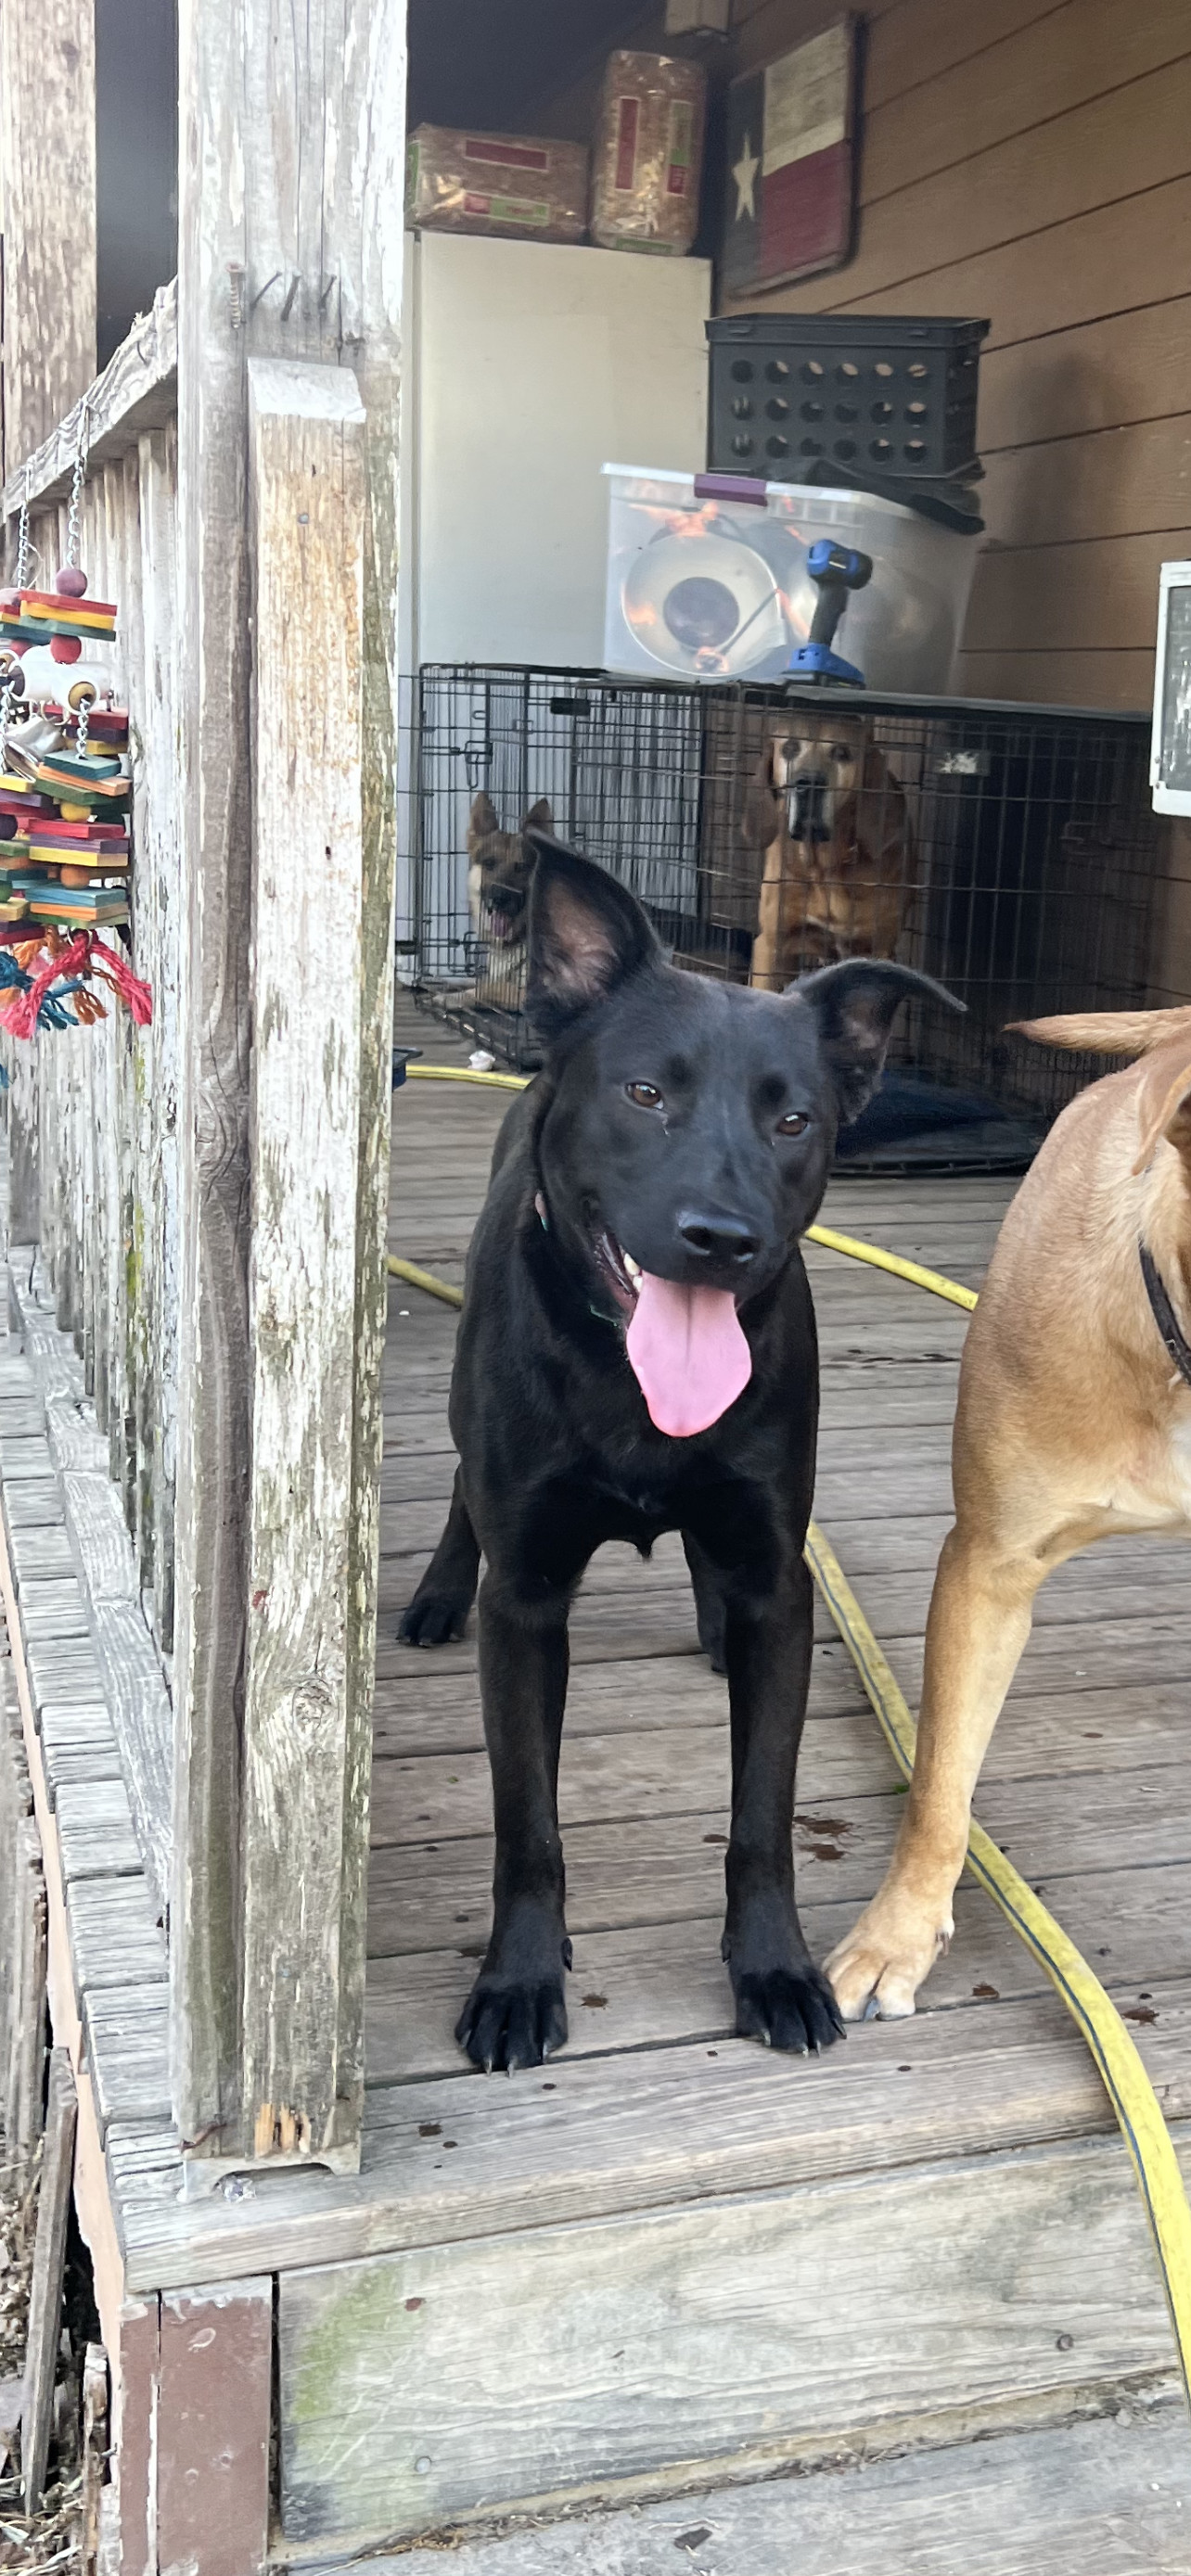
(22, 573)
(73, 533)
(82, 722)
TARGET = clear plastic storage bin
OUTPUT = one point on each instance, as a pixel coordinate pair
(707, 580)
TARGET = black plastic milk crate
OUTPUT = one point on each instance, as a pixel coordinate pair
(869, 392)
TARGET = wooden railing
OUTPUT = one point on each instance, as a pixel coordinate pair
(93, 1112)
(209, 1196)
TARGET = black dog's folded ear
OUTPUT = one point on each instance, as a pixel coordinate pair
(587, 933)
(855, 1004)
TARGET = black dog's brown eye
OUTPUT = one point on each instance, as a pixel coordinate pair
(793, 1124)
(645, 1094)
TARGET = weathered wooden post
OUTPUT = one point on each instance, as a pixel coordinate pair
(290, 226)
(48, 162)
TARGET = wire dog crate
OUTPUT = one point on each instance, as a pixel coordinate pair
(1009, 851)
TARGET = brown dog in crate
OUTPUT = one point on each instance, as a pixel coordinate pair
(499, 868)
(840, 865)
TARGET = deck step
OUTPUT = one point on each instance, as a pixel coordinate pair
(1100, 2498)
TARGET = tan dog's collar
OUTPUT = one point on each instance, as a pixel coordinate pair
(1163, 1313)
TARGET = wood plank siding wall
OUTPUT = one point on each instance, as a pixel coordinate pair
(1032, 163)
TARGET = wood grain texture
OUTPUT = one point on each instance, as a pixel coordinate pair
(306, 476)
(105, 1658)
(23, 1942)
(1115, 482)
(1104, 374)
(45, 2289)
(214, 906)
(137, 390)
(158, 939)
(1097, 594)
(311, 122)
(649, 2343)
(47, 161)
(114, 1937)
(455, 2159)
(1040, 71)
(127, 2041)
(1068, 2498)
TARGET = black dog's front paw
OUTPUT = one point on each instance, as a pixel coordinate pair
(435, 1618)
(790, 2008)
(509, 2022)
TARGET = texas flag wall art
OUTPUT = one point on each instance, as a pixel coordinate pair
(788, 208)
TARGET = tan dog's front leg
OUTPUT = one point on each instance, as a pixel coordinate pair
(978, 1625)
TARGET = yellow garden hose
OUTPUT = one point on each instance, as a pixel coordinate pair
(1115, 2053)
(467, 1073)
(425, 1280)
(878, 1259)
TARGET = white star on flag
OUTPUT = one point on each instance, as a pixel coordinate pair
(744, 172)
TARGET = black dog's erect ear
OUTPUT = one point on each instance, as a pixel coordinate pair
(855, 1004)
(587, 933)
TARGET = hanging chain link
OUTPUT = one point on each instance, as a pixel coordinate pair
(22, 574)
(83, 720)
(73, 532)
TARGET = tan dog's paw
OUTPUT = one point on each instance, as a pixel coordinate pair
(879, 1967)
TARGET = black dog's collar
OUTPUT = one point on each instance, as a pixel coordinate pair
(1163, 1313)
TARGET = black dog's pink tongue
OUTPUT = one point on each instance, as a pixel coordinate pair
(687, 1353)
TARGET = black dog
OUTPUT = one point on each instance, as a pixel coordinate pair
(657, 1176)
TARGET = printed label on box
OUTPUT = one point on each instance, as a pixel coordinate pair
(509, 156)
(508, 210)
(678, 157)
(626, 141)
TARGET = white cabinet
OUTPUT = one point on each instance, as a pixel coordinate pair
(530, 365)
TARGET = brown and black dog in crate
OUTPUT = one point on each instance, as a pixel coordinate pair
(500, 866)
(840, 865)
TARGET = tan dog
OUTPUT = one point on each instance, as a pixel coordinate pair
(839, 870)
(1073, 1423)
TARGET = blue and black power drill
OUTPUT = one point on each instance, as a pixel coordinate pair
(836, 571)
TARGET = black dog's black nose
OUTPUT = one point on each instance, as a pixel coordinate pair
(719, 1238)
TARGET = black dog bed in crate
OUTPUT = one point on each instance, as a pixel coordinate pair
(1034, 876)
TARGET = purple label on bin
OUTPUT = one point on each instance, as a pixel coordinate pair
(730, 487)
